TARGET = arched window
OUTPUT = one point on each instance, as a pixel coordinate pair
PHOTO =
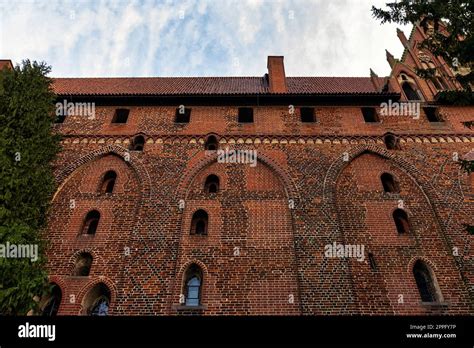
(100, 307)
(425, 282)
(389, 183)
(401, 221)
(212, 184)
(83, 265)
(391, 142)
(97, 301)
(51, 307)
(211, 143)
(410, 93)
(199, 223)
(192, 285)
(91, 223)
(108, 182)
(138, 143)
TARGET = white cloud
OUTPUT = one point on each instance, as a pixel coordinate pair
(149, 38)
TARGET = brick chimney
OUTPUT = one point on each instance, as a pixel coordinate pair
(276, 74)
(6, 63)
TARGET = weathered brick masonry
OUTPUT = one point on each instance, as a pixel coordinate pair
(315, 183)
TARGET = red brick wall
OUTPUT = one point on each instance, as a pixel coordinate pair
(281, 249)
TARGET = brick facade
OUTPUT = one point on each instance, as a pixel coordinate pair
(314, 184)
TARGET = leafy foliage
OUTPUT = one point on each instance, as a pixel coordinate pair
(451, 38)
(455, 44)
(27, 148)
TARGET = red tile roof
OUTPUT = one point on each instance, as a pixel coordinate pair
(209, 85)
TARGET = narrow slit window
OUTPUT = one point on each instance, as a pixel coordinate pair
(83, 265)
(212, 184)
(108, 182)
(391, 142)
(211, 143)
(91, 223)
(426, 283)
(138, 143)
(373, 264)
(199, 223)
(400, 218)
(410, 92)
(389, 183)
(193, 286)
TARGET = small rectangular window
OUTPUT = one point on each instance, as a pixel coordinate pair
(120, 116)
(245, 115)
(432, 114)
(370, 115)
(183, 115)
(307, 115)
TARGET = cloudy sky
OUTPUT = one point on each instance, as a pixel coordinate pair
(197, 37)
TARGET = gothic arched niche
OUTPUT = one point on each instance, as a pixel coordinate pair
(365, 215)
(79, 194)
(249, 223)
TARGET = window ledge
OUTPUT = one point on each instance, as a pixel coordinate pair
(189, 308)
(435, 305)
(391, 195)
(86, 236)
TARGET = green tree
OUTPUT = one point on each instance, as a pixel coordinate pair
(27, 149)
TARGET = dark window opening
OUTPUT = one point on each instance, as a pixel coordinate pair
(410, 93)
(401, 221)
(91, 222)
(83, 265)
(193, 284)
(183, 115)
(370, 115)
(100, 307)
(389, 183)
(436, 83)
(199, 222)
(373, 265)
(97, 301)
(245, 115)
(391, 142)
(138, 143)
(432, 114)
(443, 83)
(52, 305)
(307, 115)
(120, 116)
(212, 184)
(425, 282)
(211, 143)
(108, 182)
